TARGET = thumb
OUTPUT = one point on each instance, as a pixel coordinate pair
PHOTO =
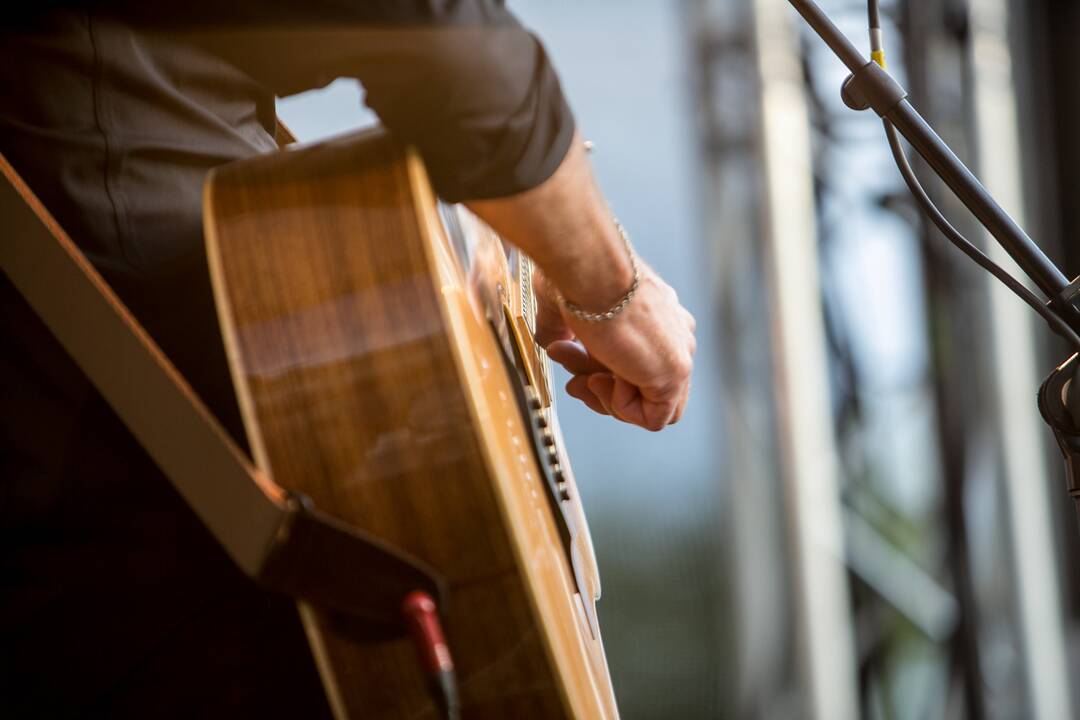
(550, 324)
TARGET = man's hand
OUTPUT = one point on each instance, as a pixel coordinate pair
(636, 366)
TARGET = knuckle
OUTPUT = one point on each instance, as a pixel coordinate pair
(684, 368)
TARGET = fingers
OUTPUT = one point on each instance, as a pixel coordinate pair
(685, 395)
(626, 402)
(551, 328)
(592, 383)
(575, 358)
(689, 319)
(681, 407)
(578, 387)
(602, 385)
(606, 394)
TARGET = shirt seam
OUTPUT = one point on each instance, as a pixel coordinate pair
(96, 92)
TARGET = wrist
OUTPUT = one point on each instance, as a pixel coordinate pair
(611, 309)
(566, 227)
(601, 272)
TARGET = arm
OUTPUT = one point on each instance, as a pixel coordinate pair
(474, 91)
(636, 366)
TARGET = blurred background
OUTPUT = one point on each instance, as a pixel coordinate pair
(861, 514)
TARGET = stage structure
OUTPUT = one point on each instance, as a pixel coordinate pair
(895, 498)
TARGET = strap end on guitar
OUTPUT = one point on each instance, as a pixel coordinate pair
(335, 566)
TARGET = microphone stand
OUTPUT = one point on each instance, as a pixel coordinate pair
(870, 87)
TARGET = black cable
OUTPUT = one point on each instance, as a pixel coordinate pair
(956, 238)
(952, 234)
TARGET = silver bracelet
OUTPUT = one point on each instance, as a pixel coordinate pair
(623, 302)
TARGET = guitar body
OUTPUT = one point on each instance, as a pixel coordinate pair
(380, 350)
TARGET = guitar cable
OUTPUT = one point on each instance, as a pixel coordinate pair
(422, 616)
(1053, 319)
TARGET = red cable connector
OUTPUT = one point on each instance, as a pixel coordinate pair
(422, 617)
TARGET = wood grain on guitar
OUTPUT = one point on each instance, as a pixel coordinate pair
(370, 354)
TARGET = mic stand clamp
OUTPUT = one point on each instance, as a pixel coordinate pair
(872, 87)
(1058, 401)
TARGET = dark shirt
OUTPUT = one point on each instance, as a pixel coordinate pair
(115, 601)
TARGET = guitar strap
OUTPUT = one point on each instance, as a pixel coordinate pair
(275, 536)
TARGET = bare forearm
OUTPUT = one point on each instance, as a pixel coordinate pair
(564, 224)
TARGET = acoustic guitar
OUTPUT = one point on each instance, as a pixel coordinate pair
(381, 344)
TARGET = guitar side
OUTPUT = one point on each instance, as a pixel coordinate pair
(371, 381)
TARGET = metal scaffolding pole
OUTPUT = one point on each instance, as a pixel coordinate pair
(785, 486)
(1017, 371)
